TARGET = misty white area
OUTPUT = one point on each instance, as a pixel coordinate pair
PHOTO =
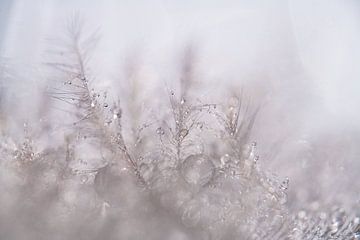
(305, 47)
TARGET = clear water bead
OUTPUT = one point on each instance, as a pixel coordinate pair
(160, 131)
(224, 160)
(183, 133)
(285, 184)
(197, 170)
(182, 101)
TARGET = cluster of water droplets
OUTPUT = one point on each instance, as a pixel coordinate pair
(323, 224)
(224, 196)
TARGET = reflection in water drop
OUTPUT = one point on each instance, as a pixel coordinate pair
(197, 170)
(224, 160)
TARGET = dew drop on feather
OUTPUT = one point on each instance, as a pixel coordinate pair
(197, 170)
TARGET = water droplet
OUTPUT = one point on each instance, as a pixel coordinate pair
(224, 160)
(160, 131)
(182, 101)
(183, 133)
(200, 148)
(302, 214)
(146, 171)
(256, 159)
(285, 184)
(105, 105)
(197, 170)
(252, 153)
(117, 113)
(83, 179)
(338, 221)
(92, 104)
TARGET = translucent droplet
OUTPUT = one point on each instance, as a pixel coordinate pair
(302, 214)
(160, 131)
(182, 101)
(224, 160)
(246, 149)
(117, 113)
(338, 221)
(146, 171)
(83, 179)
(183, 133)
(285, 184)
(197, 170)
(256, 159)
(231, 109)
(252, 153)
(200, 148)
(114, 184)
(92, 104)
